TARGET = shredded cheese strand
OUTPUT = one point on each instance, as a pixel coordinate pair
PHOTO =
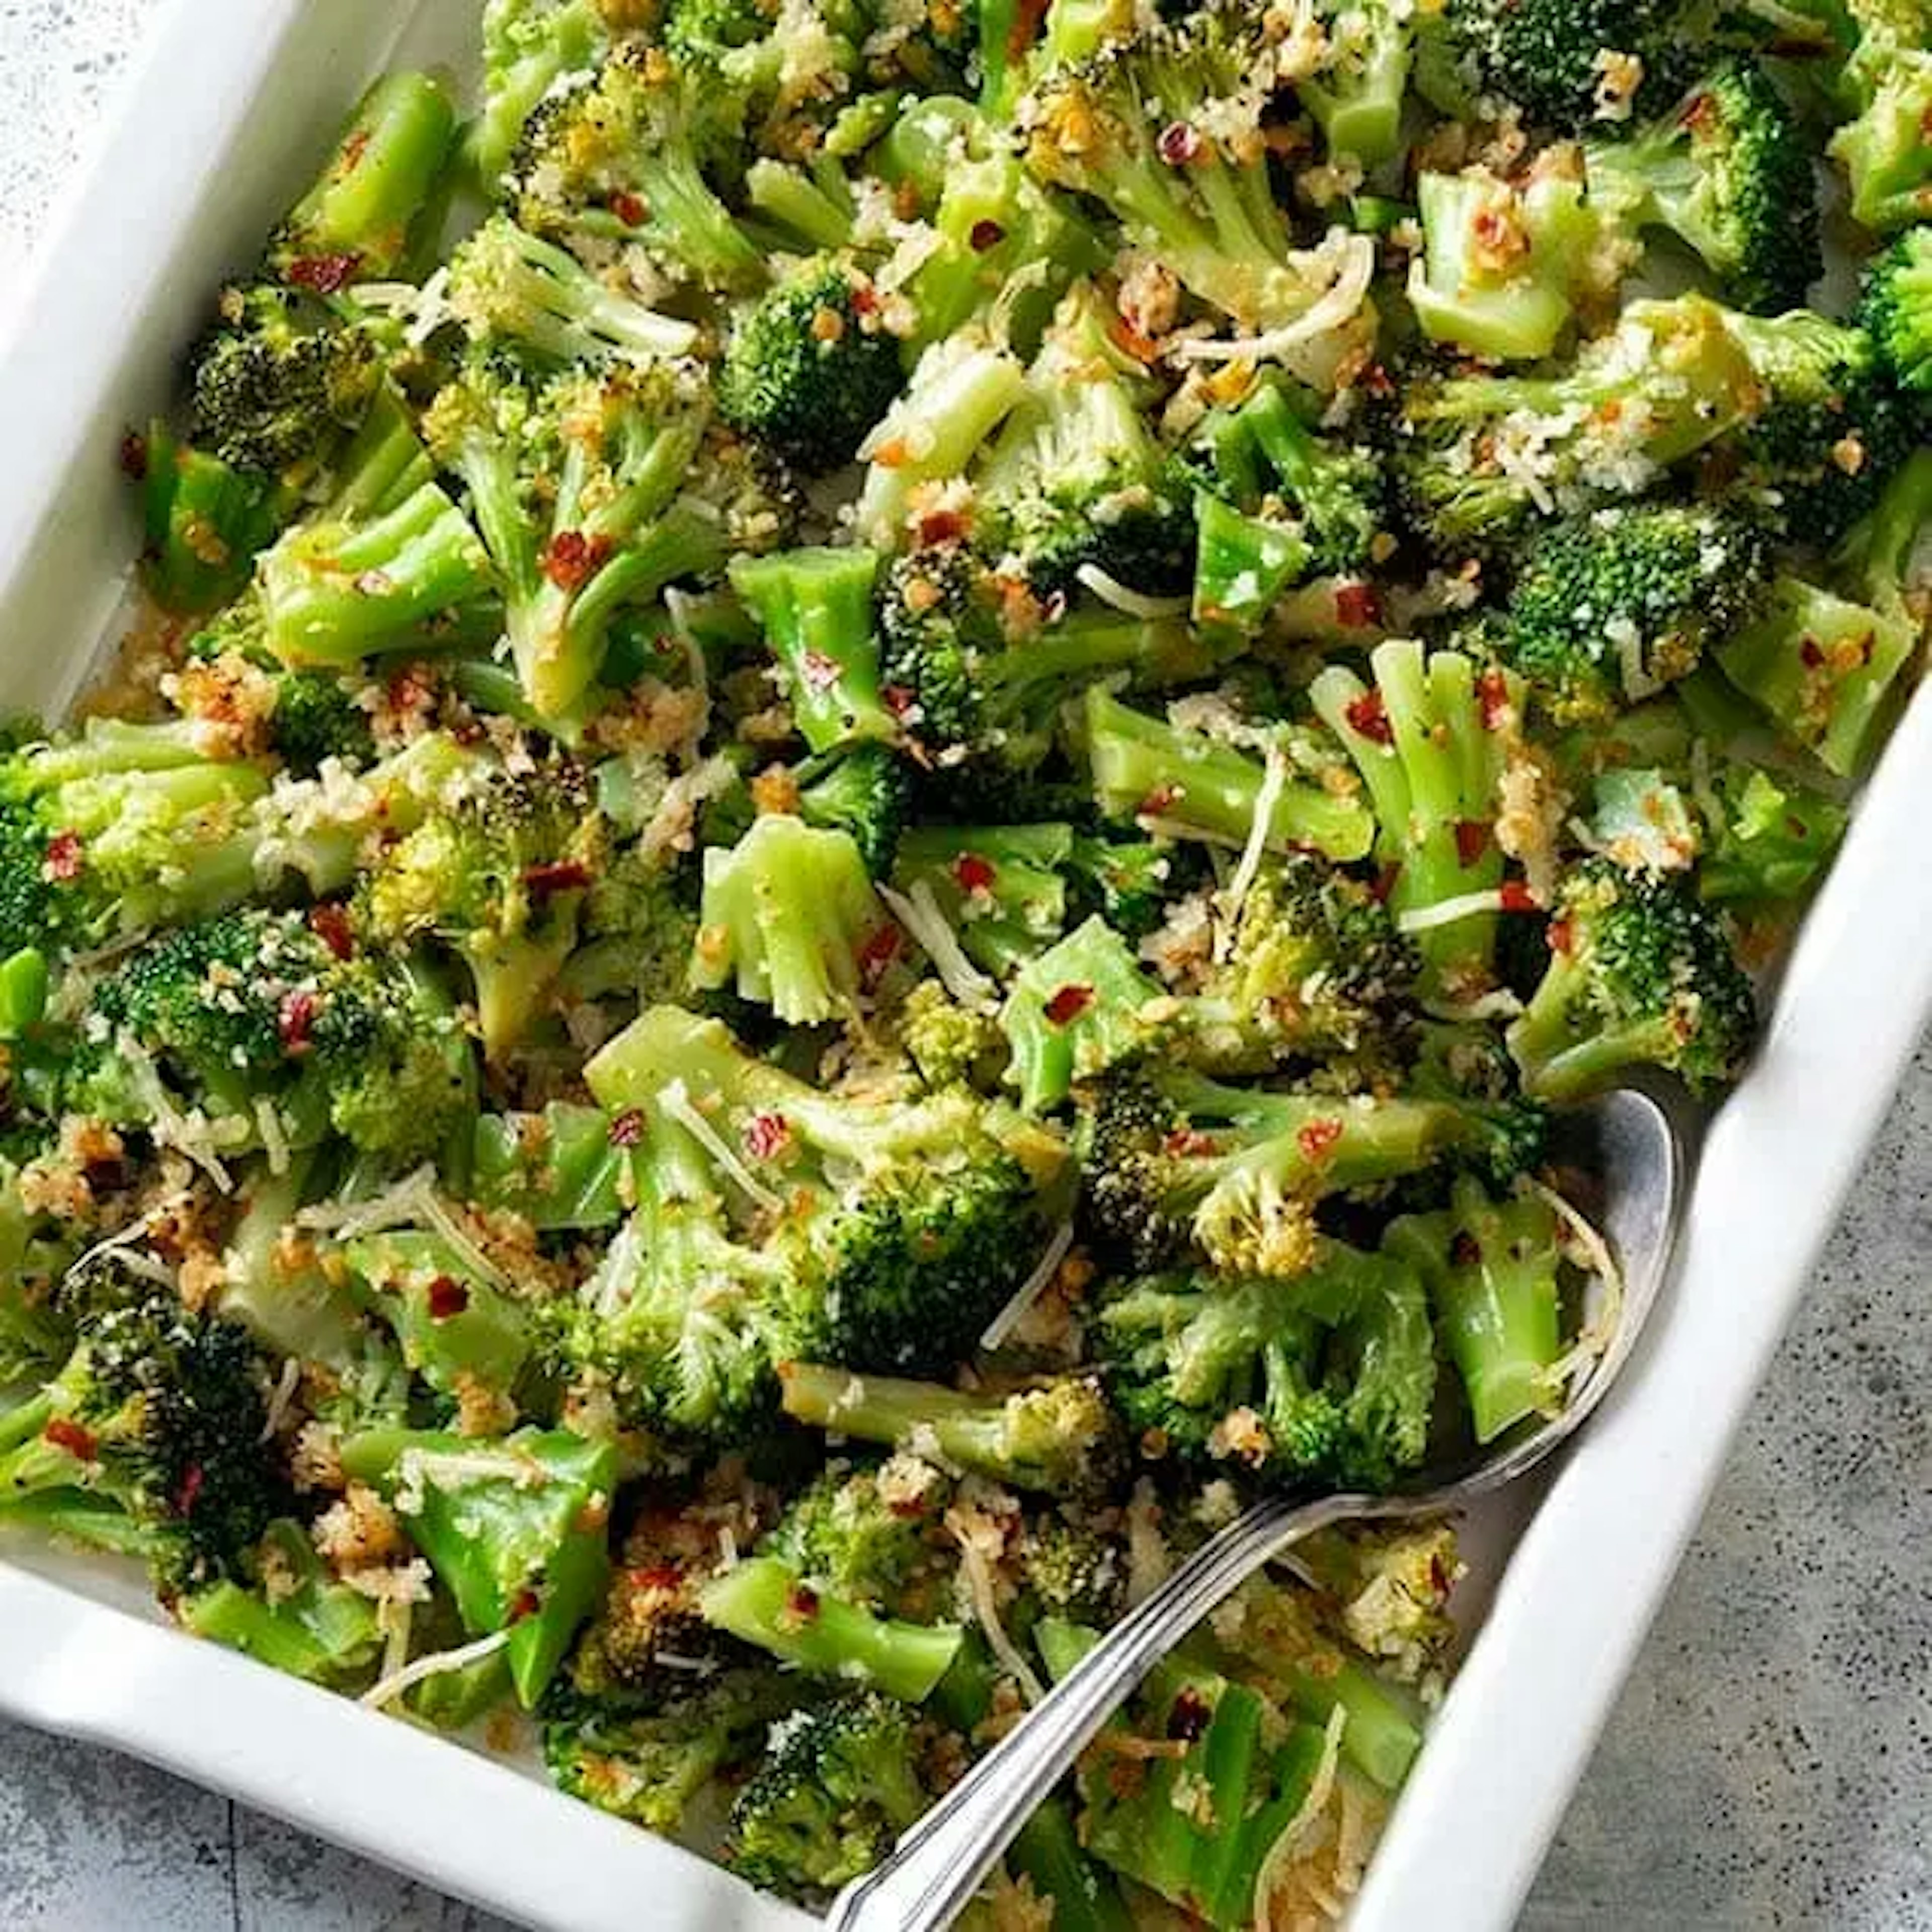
(1029, 1290)
(979, 1585)
(1355, 258)
(435, 1665)
(1599, 1328)
(677, 1103)
(1274, 783)
(919, 913)
(1287, 1847)
(1130, 603)
(1446, 912)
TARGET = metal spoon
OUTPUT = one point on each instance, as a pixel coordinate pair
(1630, 1145)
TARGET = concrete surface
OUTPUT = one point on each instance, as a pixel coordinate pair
(1770, 1765)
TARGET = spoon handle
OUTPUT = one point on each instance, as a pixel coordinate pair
(943, 1860)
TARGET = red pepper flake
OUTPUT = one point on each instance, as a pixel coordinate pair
(1698, 112)
(1515, 896)
(1180, 143)
(627, 1129)
(1025, 29)
(629, 208)
(984, 234)
(1472, 840)
(329, 922)
(1188, 1140)
(353, 149)
(1466, 1251)
(323, 274)
(941, 526)
(656, 1576)
(1317, 1140)
(864, 298)
(1357, 605)
(877, 953)
(296, 1023)
(974, 874)
(1492, 693)
(765, 1135)
(573, 558)
(561, 875)
(71, 1437)
(1068, 1004)
(901, 700)
(1189, 1716)
(62, 866)
(133, 457)
(1811, 653)
(527, 1604)
(446, 1296)
(1132, 341)
(1558, 936)
(1159, 802)
(801, 1601)
(1383, 884)
(821, 673)
(1368, 717)
(193, 1476)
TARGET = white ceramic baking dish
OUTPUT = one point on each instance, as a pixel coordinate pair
(232, 101)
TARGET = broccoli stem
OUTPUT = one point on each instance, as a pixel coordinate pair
(1080, 1007)
(815, 606)
(1357, 100)
(205, 522)
(764, 1602)
(1380, 1735)
(1090, 647)
(816, 206)
(355, 223)
(1557, 1064)
(998, 886)
(1186, 783)
(1243, 564)
(1048, 1851)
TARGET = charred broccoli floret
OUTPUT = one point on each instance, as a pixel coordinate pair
(1895, 309)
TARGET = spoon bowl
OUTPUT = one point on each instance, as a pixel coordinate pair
(1631, 1146)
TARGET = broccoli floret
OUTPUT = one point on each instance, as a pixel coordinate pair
(1356, 96)
(1492, 1271)
(1327, 1376)
(1164, 130)
(866, 1535)
(583, 492)
(838, 1783)
(1887, 83)
(1128, 882)
(357, 222)
(864, 792)
(790, 921)
(652, 1766)
(809, 369)
(1640, 973)
(1178, 1164)
(161, 1413)
(815, 608)
(1082, 1006)
(1768, 838)
(1314, 965)
(628, 156)
(1895, 309)
(499, 875)
(529, 46)
(203, 521)
(280, 384)
(1429, 737)
(1728, 172)
(763, 1601)
(1607, 607)
(317, 717)
(1499, 260)
(1182, 783)
(1076, 481)
(1070, 1569)
(999, 887)
(1548, 55)
(506, 286)
(900, 1231)
(1479, 455)
(1057, 1436)
(950, 1044)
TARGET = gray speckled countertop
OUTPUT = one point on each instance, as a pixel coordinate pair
(1770, 1765)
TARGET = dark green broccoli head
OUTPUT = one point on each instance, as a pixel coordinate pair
(809, 369)
(278, 384)
(939, 616)
(694, 31)
(1072, 1571)
(316, 717)
(1549, 55)
(1640, 973)
(839, 1783)
(1609, 606)
(1330, 1376)
(1129, 882)
(866, 1535)
(1895, 309)
(865, 791)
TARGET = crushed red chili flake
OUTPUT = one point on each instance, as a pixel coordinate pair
(1189, 1716)
(1515, 896)
(627, 1129)
(193, 1476)
(446, 1296)
(629, 208)
(1162, 799)
(1383, 884)
(329, 922)
(1180, 143)
(1188, 1140)
(1472, 840)
(295, 1023)
(1067, 1005)
(573, 558)
(322, 274)
(1357, 605)
(1368, 717)
(984, 234)
(802, 1602)
(1811, 653)
(560, 875)
(821, 673)
(974, 874)
(62, 864)
(765, 1135)
(1027, 18)
(133, 457)
(942, 526)
(656, 1576)
(1317, 1140)
(1557, 935)
(1466, 1251)
(1125, 336)
(876, 954)
(1493, 695)
(527, 1604)
(76, 1441)
(899, 699)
